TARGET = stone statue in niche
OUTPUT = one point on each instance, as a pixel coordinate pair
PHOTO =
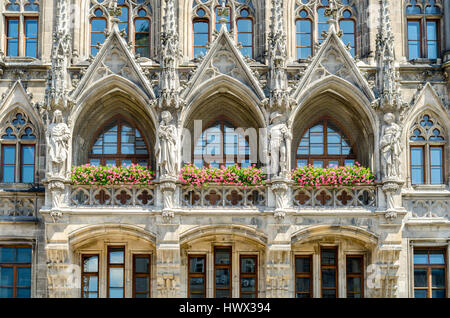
(57, 137)
(391, 147)
(166, 146)
(278, 135)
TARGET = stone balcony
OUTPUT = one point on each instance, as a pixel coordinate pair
(224, 197)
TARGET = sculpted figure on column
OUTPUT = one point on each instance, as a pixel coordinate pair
(166, 146)
(391, 147)
(278, 144)
(57, 137)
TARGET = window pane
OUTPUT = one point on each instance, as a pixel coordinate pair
(23, 293)
(6, 293)
(437, 258)
(222, 257)
(302, 265)
(328, 256)
(6, 276)
(142, 265)
(116, 256)
(354, 284)
(24, 276)
(197, 264)
(440, 293)
(303, 284)
(115, 277)
(438, 277)
(248, 265)
(420, 277)
(354, 265)
(328, 277)
(196, 284)
(244, 25)
(27, 164)
(327, 293)
(141, 284)
(201, 27)
(420, 293)
(9, 158)
(420, 257)
(414, 39)
(7, 254)
(248, 284)
(23, 255)
(90, 264)
(222, 278)
(116, 293)
(436, 165)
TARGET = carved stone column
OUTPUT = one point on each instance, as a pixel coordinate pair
(391, 189)
(389, 264)
(168, 187)
(280, 189)
(278, 271)
(57, 190)
(63, 277)
(168, 271)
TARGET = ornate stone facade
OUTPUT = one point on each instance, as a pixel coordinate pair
(388, 105)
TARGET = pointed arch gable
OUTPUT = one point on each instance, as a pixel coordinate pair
(110, 84)
(336, 98)
(224, 85)
(427, 100)
(17, 99)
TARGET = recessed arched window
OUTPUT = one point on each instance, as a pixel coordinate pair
(134, 20)
(220, 144)
(347, 26)
(311, 21)
(245, 33)
(21, 27)
(240, 18)
(427, 151)
(325, 144)
(424, 38)
(201, 36)
(18, 149)
(119, 143)
(98, 27)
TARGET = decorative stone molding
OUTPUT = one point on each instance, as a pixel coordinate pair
(168, 272)
(389, 264)
(278, 273)
(168, 188)
(63, 278)
(280, 190)
(391, 189)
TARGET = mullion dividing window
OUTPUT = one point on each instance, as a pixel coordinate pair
(303, 277)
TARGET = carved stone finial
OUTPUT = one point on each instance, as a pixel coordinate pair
(388, 93)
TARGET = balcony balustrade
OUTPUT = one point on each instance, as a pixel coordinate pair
(117, 195)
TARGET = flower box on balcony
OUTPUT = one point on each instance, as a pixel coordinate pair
(232, 175)
(333, 177)
(132, 175)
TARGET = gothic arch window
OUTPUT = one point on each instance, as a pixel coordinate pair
(221, 145)
(424, 23)
(240, 22)
(18, 149)
(427, 151)
(311, 21)
(134, 21)
(21, 19)
(117, 143)
(325, 144)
